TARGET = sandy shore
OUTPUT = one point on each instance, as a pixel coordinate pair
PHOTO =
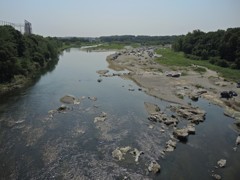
(153, 77)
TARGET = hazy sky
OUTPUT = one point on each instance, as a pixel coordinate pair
(118, 17)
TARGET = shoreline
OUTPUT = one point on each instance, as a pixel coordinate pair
(150, 75)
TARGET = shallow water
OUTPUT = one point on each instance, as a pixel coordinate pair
(71, 146)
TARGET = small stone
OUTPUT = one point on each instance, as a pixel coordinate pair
(238, 140)
(154, 167)
(222, 163)
(117, 154)
(216, 176)
(150, 126)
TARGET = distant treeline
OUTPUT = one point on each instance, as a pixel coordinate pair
(124, 39)
(143, 40)
(24, 54)
(221, 48)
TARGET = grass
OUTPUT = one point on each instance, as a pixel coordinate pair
(171, 58)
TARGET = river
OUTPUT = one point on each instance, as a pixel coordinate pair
(69, 145)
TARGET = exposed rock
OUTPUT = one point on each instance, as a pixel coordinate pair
(154, 167)
(93, 98)
(216, 176)
(120, 152)
(170, 146)
(62, 108)
(194, 97)
(151, 108)
(238, 140)
(150, 126)
(136, 153)
(102, 72)
(68, 99)
(191, 128)
(102, 117)
(193, 114)
(124, 150)
(99, 80)
(181, 134)
(171, 143)
(117, 154)
(222, 163)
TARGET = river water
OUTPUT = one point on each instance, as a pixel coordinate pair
(69, 145)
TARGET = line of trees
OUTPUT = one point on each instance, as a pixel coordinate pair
(143, 40)
(24, 54)
(221, 48)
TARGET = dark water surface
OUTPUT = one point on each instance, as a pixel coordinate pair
(71, 146)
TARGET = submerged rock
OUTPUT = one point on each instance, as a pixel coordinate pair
(222, 163)
(154, 167)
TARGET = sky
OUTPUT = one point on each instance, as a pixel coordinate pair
(94, 18)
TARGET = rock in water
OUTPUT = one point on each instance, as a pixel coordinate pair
(222, 163)
(120, 152)
(136, 153)
(151, 108)
(216, 176)
(238, 140)
(154, 167)
(117, 154)
(68, 99)
(181, 134)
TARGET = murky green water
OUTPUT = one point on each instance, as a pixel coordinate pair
(71, 146)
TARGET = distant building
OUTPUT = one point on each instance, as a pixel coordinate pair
(27, 27)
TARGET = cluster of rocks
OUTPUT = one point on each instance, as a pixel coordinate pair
(192, 114)
(220, 164)
(120, 154)
(102, 117)
(192, 92)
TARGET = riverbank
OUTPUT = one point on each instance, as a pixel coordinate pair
(175, 84)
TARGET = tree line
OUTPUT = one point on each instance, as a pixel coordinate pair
(221, 47)
(123, 39)
(24, 54)
(143, 40)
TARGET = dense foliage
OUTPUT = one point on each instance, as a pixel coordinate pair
(221, 48)
(24, 54)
